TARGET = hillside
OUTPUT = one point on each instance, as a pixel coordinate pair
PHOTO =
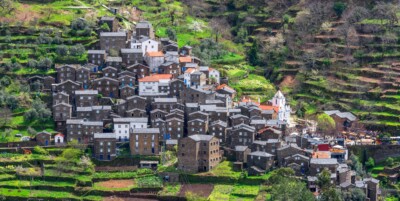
(338, 55)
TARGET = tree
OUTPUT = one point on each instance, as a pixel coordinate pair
(38, 111)
(252, 54)
(339, 7)
(242, 35)
(174, 11)
(386, 12)
(45, 64)
(220, 27)
(326, 123)
(370, 163)
(62, 50)
(77, 50)
(288, 189)
(354, 194)
(386, 39)
(6, 115)
(324, 179)
(31, 131)
(331, 194)
(40, 150)
(32, 63)
(171, 34)
(356, 164)
(7, 6)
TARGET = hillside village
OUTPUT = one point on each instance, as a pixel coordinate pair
(145, 119)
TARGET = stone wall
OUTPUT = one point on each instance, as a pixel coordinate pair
(378, 152)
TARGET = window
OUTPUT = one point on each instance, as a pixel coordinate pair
(183, 154)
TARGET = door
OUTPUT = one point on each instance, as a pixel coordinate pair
(58, 140)
(101, 157)
(47, 143)
(109, 157)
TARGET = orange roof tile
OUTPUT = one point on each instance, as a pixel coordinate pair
(155, 54)
(185, 59)
(244, 100)
(155, 78)
(190, 70)
(268, 107)
(321, 154)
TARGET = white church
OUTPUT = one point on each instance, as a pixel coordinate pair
(279, 101)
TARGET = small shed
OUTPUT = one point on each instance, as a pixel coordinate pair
(149, 164)
(43, 138)
(59, 138)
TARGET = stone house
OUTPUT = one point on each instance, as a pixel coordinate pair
(155, 85)
(198, 153)
(126, 91)
(166, 104)
(191, 107)
(139, 70)
(136, 112)
(172, 47)
(86, 98)
(126, 80)
(66, 72)
(241, 153)
(242, 134)
(258, 123)
(317, 165)
(111, 21)
(186, 50)
(144, 28)
(94, 113)
(218, 129)
(302, 163)
(157, 113)
(269, 133)
(198, 115)
(83, 130)
(174, 127)
(104, 146)
(198, 78)
(196, 95)
(154, 60)
(107, 87)
(97, 57)
(197, 126)
(144, 141)
(68, 87)
(239, 119)
(62, 112)
(110, 72)
(175, 87)
(112, 41)
(60, 97)
(345, 121)
(162, 125)
(269, 146)
(285, 151)
(170, 68)
(83, 76)
(261, 160)
(114, 61)
(225, 89)
(131, 56)
(43, 138)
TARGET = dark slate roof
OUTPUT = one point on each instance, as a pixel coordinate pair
(143, 24)
(219, 122)
(128, 50)
(113, 34)
(165, 100)
(241, 148)
(114, 59)
(86, 92)
(261, 153)
(107, 18)
(173, 142)
(145, 130)
(324, 161)
(200, 137)
(96, 51)
(105, 135)
(130, 119)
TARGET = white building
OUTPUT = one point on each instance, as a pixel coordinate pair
(157, 84)
(123, 125)
(59, 139)
(284, 110)
(213, 75)
(154, 60)
(146, 44)
(186, 76)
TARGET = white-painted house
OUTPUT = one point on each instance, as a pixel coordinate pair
(122, 126)
(154, 60)
(156, 84)
(59, 139)
(146, 44)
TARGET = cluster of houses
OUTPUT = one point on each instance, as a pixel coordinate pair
(156, 96)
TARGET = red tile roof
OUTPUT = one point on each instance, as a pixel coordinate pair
(185, 59)
(155, 78)
(155, 54)
(268, 107)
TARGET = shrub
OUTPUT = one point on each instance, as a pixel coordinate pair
(40, 150)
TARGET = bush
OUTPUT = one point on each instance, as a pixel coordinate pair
(40, 150)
